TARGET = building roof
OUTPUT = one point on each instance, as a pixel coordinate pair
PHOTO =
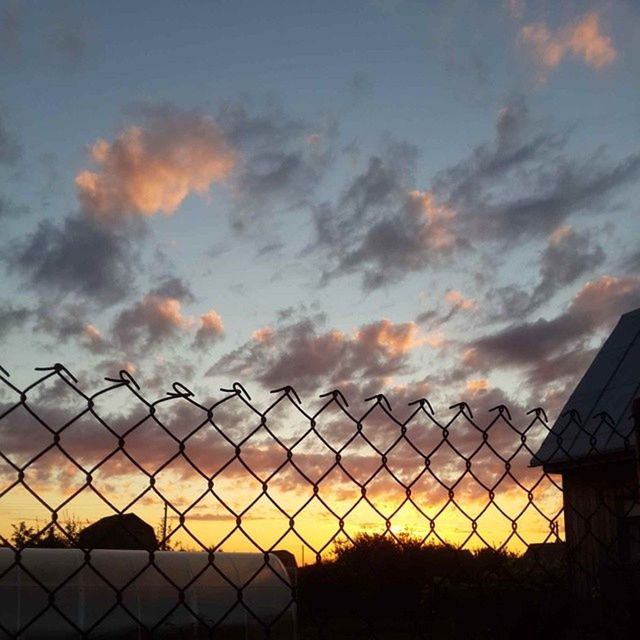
(597, 420)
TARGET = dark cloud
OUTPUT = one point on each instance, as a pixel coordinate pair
(419, 234)
(77, 257)
(13, 317)
(9, 147)
(565, 189)
(149, 322)
(593, 307)
(311, 359)
(514, 146)
(10, 25)
(62, 322)
(174, 287)
(426, 317)
(62, 43)
(70, 322)
(568, 256)
(631, 263)
(522, 185)
(544, 186)
(376, 186)
(282, 160)
(381, 227)
(69, 43)
(360, 86)
(379, 189)
(270, 248)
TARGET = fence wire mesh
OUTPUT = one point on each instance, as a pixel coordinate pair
(402, 524)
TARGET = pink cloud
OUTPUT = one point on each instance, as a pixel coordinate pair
(477, 385)
(152, 168)
(211, 329)
(394, 339)
(436, 231)
(582, 39)
(457, 301)
(299, 354)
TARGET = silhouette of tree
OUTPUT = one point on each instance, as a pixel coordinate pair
(51, 537)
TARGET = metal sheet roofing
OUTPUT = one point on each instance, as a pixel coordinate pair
(597, 419)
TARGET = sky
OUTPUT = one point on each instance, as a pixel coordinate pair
(417, 199)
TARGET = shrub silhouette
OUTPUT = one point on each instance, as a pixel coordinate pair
(400, 583)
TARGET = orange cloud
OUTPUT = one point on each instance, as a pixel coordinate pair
(606, 298)
(93, 338)
(457, 301)
(394, 339)
(436, 233)
(583, 40)
(211, 328)
(262, 335)
(212, 320)
(152, 169)
(92, 332)
(166, 310)
(477, 385)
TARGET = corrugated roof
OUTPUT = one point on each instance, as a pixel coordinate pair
(609, 387)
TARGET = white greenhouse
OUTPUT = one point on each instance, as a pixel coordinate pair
(211, 592)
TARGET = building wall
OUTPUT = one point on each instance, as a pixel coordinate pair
(594, 498)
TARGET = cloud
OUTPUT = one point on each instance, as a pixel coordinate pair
(63, 321)
(281, 159)
(93, 339)
(173, 287)
(10, 150)
(595, 306)
(567, 256)
(12, 317)
(517, 143)
(515, 8)
(151, 321)
(70, 44)
(477, 385)
(369, 195)
(299, 354)
(53, 35)
(524, 185)
(421, 233)
(264, 334)
(211, 329)
(582, 39)
(458, 302)
(360, 86)
(378, 186)
(152, 168)
(77, 257)
(10, 26)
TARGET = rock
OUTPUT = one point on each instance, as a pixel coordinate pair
(126, 531)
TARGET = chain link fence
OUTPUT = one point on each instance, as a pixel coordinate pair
(126, 517)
